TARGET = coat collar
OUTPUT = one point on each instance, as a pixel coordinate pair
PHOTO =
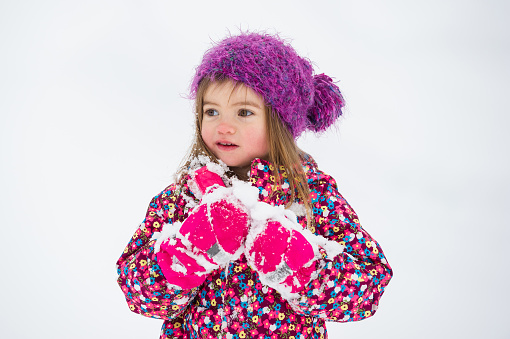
(262, 175)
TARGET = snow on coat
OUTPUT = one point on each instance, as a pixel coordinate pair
(232, 302)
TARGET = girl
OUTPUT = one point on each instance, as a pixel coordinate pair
(253, 241)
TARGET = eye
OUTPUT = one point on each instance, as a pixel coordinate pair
(211, 112)
(245, 113)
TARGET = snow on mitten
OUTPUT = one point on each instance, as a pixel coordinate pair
(181, 267)
(282, 255)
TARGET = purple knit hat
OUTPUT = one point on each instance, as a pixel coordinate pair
(272, 68)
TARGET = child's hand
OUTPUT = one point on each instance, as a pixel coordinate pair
(218, 229)
(182, 267)
(282, 255)
(219, 225)
(212, 235)
(203, 179)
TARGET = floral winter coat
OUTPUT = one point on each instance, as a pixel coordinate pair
(232, 302)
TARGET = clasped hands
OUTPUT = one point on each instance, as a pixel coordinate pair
(226, 219)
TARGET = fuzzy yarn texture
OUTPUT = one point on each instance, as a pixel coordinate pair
(272, 68)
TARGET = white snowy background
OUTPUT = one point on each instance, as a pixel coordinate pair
(94, 123)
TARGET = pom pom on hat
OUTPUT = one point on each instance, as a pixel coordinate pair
(327, 106)
(272, 68)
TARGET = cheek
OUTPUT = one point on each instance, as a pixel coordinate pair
(207, 134)
(262, 142)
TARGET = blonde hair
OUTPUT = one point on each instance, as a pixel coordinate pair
(284, 154)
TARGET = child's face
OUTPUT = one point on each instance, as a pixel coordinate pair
(234, 124)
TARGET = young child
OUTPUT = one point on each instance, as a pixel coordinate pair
(253, 240)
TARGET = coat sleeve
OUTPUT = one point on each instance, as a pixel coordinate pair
(347, 287)
(139, 275)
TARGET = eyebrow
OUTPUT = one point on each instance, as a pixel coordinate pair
(240, 103)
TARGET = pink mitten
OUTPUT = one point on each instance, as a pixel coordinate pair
(211, 234)
(281, 254)
(205, 179)
(217, 228)
(178, 266)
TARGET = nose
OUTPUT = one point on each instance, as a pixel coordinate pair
(226, 126)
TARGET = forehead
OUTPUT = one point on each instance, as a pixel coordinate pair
(231, 91)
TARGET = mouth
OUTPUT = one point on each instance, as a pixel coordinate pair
(226, 146)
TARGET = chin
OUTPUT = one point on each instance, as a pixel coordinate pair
(236, 164)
